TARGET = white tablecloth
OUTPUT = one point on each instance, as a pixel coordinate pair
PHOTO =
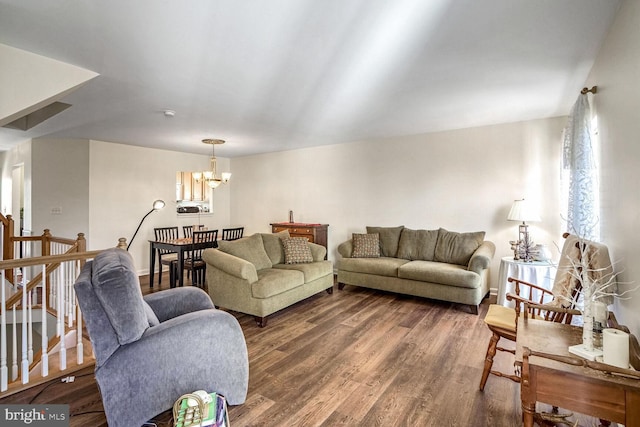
(539, 273)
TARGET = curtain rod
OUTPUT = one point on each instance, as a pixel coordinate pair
(593, 90)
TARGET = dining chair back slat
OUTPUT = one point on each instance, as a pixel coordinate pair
(232, 233)
(161, 234)
(194, 263)
(187, 230)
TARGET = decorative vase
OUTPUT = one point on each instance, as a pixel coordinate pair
(541, 253)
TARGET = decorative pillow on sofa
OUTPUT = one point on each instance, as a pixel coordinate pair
(417, 244)
(250, 248)
(273, 245)
(296, 250)
(389, 238)
(457, 248)
(366, 245)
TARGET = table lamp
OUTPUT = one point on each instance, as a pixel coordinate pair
(522, 210)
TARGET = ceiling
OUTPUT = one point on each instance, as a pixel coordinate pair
(273, 75)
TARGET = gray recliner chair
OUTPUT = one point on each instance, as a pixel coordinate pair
(151, 350)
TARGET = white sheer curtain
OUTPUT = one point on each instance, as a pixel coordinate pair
(579, 163)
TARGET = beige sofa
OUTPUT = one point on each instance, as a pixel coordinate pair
(250, 275)
(436, 264)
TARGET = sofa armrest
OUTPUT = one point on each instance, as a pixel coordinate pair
(345, 249)
(481, 258)
(175, 302)
(230, 264)
(318, 252)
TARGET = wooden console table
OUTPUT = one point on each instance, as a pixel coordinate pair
(582, 389)
(315, 233)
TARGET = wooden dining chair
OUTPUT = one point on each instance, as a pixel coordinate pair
(187, 230)
(232, 233)
(165, 256)
(555, 305)
(194, 263)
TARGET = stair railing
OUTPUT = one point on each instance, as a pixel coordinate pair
(56, 297)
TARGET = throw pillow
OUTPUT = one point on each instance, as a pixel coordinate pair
(457, 248)
(417, 244)
(248, 248)
(366, 245)
(389, 238)
(296, 250)
(273, 246)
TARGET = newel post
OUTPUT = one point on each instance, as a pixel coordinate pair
(7, 244)
(46, 242)
(81, 243)
(122, 243)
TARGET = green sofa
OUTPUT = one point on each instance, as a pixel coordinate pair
(251, 276)
(437, 264)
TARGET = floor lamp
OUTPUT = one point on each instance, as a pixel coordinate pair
(157, 205)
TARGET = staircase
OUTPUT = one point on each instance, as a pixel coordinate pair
(41, 332)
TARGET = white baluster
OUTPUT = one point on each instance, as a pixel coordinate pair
(14, 350)
(4, 372)
(69, 279)
(25, 358)
(45, 337)
(79, 343)
(30, 329)
(60, 299)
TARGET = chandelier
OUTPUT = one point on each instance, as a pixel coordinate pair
(209, 177)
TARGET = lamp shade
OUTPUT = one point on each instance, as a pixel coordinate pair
(521, 210)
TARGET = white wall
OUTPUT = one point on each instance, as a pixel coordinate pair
(616, 72)
(60, 199)
(463, 180)
(124, 181)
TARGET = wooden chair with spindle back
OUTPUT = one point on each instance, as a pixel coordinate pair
(165, 256)
(555, 305)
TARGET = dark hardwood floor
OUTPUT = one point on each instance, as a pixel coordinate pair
(355, 358)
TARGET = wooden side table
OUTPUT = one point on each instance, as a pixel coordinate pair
(315, 233)
(574, 388)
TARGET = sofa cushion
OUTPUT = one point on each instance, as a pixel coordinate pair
(439, 272)
(457, 248)
(249, 248)
(115, 283)
(389, 238)
(311, 271)
(273, 246)
(296, 250)
(383, 266)
(417, 244)
(274, 281)
(366, 245)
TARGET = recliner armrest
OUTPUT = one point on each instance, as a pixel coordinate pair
(175, 302)
(231, 264)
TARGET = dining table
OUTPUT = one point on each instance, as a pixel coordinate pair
(180, 247)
